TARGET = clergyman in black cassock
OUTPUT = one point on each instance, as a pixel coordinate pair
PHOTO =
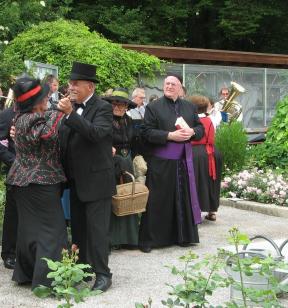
(86, 147)
(171, 217)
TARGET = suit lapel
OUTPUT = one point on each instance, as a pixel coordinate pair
(89, 105)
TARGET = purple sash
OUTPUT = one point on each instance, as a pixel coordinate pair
(175, 151)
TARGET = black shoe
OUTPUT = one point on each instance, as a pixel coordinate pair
(9, 263)
(116, 247)
(129, 246)
(145, 249)
(102, 283)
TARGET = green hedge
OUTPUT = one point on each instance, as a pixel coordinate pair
(62, 42)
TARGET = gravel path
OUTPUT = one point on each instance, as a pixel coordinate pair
(138, 276)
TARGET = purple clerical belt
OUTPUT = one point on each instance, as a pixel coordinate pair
(176, 151)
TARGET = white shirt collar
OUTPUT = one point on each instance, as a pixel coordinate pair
(202, 115)
(80, 110)
(87, 99)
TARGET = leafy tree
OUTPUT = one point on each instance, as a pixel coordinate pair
(115, 21)
(18, 16)
(245, 24)
(70, 41)
(249, 25)
(141, 22)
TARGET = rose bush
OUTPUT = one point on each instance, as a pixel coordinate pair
(257, 185)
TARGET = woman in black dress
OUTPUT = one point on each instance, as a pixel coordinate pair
(36, 177)
(207, 162)
(124, 229)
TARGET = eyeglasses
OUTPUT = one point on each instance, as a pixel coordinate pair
(119, 106)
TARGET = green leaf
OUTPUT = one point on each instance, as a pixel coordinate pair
(77, 275)
(174, 270)
(52, 275)
(42, 291)
(83, 266)
(52, 265)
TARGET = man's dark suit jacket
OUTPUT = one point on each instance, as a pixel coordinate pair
(7, 154)
(88, 137)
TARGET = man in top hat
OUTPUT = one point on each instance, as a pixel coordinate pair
(86, 147)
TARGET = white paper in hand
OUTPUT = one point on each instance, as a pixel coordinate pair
(181, 123)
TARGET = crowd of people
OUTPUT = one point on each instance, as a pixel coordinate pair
(76, 142)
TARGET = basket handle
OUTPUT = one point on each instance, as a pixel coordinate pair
(278, 251)
(133, 181)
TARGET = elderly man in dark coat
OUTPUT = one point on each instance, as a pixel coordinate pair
(172, 211)
(86, 141)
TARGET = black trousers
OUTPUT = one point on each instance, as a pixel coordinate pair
(10, 224)
(90, 231)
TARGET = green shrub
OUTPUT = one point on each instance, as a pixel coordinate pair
(269, 156)
(62, 42)
(278, 130)
(231, 141)
(67, 274)
(273, 153)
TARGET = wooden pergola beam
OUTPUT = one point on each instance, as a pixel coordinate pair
(213, 56)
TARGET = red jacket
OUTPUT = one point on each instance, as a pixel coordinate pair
(208, 140)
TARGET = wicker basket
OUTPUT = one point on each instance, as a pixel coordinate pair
(131, 198)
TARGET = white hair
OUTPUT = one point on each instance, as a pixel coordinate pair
(137, 91)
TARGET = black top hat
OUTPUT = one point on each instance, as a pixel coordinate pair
(28, 92)
(121, 95)
(83, 71)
